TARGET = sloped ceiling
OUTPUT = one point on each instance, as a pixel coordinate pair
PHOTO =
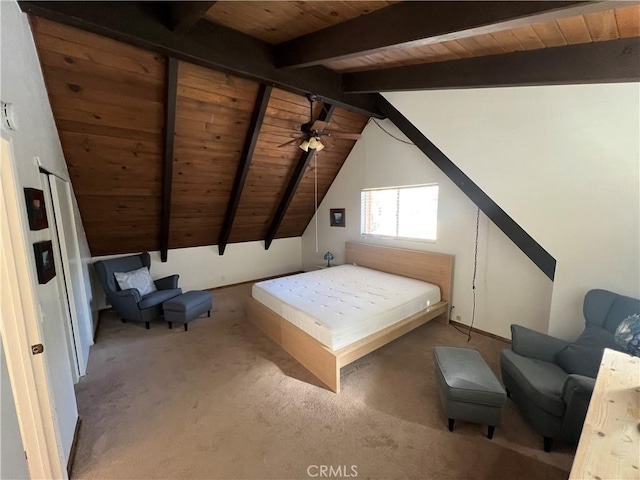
(109, 99)
(234, 75)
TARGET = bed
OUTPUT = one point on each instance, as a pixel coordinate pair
(308, 327)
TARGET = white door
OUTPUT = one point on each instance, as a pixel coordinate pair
(72, 279)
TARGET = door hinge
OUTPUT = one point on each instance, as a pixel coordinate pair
(37, 348)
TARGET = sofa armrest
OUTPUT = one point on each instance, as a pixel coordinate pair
(167, 283)
(576, 393)
(577, 386)
(532, 344)
(125, 303)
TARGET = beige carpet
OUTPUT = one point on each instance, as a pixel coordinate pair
(222, 401)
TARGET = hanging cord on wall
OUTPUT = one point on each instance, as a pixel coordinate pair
(389, 133)
(475, 271)
(315, 193)
(454, 325)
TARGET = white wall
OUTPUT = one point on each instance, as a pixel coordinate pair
(509, 287)
(564, 163)
(22, 84)
(12, 461)
(201, 268)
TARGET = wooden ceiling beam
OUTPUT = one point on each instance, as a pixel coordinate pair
(412, 24)
(614, 61)
(184, 15)
(499, 217)
(292, 186)
(143, 24)
(167, 159)
(259, 110)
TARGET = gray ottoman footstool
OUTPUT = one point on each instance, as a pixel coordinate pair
(187, 306)
(469, 391)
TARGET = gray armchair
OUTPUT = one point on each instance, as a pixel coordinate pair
(129, 304)
(551, 380)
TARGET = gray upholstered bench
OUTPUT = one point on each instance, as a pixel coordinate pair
(469, 391)
(187, 306)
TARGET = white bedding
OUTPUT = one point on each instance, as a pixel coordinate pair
(341, 305)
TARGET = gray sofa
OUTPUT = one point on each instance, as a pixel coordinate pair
(551, 380)
(129, 304)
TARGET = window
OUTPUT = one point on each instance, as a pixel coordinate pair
(400, 212)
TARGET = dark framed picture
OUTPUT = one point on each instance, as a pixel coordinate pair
(43, 252)
(36, 209)
(337, 217)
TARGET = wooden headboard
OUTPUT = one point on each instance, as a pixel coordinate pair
(436, 268)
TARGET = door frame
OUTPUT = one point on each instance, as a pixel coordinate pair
(20, 329)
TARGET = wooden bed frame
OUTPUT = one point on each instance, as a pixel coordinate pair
(325, 363)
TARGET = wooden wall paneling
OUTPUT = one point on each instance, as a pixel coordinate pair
(628, 21)
(329, 163)
(259, 110)
(602, 25)
(212, 119)
(76, 44)
(296, 176)
(272, 164)
(572, 64)
(208, 44)
(278, 21)
(605, 25)
(550, 34)
(507, 41)
(102, 130)
(107, 101)
(167, 159)
(574, 30)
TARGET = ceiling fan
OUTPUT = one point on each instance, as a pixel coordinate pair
(312, 131)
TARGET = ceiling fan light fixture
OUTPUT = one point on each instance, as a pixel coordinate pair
(315, 144)
(305, 145)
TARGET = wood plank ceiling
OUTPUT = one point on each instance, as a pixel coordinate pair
(243, 69)
(108, 103)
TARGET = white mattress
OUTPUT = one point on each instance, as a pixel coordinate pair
(341, 305)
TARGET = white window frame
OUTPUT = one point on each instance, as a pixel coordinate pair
(398, 237)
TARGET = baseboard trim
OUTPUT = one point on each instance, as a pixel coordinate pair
(480, 332)
(74, 446)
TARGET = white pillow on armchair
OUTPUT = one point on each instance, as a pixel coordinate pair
(139, 279)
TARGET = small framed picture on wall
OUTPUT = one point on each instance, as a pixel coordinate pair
(35, 209)
(43, 252)
(337, 217)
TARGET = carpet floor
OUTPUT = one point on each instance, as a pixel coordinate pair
(222, 401)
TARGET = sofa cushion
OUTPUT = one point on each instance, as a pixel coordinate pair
(541, 381)
(597, 337)
(580, 359)
(583, 357)
(139, 279)
(158, 297)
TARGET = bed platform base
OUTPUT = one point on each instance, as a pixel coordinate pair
(319, 359)
(324, 363)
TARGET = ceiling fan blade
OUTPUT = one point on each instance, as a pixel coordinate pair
(289, 142)
(349, 136)
(319, 125)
